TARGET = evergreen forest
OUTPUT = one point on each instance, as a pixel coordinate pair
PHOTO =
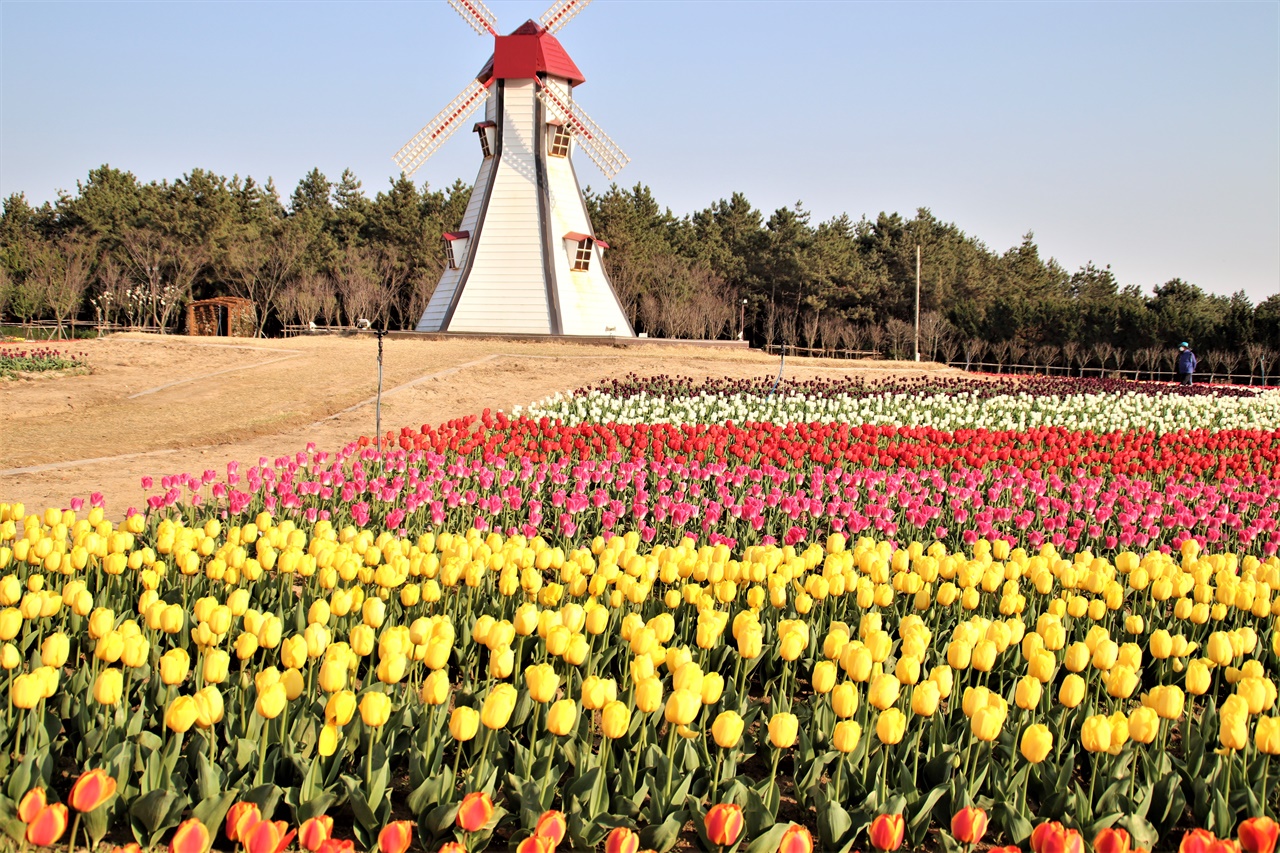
(119, 253)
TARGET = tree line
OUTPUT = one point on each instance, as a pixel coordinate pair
(121, 252)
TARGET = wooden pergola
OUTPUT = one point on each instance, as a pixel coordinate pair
(222, 316)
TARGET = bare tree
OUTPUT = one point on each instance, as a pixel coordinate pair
(62, 271)
(809, 325)
(789, 330)
(1104, 353)
(934, 329)
(831, 332)
(1044, 356)
(973, 349)
(770, 324)
(1000, 351)
(1016, 352)
(899, 335)
(113, 281)
(146, 250)
(308, 297)
(950, 348)
(1074, 354)
(360, 286)
(258, 269)
(1258, 355)
(875, 338)
(651, 315)
(186, 262)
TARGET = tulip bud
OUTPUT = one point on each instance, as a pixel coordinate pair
(474, 812)
(375, 709)
(463, 723)
(1037, 740)
(727, 729)
(969, 825)
(846, 736)
(562, 717)
(783, 730)
(887, 831)
(723, 824)
(108, 688)
(498, 706)
(615, 719)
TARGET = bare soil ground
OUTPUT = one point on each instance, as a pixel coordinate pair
(156, 405)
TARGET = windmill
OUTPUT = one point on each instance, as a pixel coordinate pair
(525, 260)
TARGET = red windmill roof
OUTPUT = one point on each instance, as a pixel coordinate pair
(526, 53)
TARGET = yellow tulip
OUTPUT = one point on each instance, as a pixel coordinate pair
(844, 700)
(883, 691)
(682, 707)
(341, 708)
(783, 730)
(54, 650)
(1095, 734)
(615, 719)
(846, 736)
(174, 665)
(435, 688)
(271, 701)
(375, 709)
(181, 714)
(464, 722)
(1072, 691)
(108, 687)
(1027, 694)
(1036, 743)
(925, 698)
(498, 706)
(562, 717)
(542, 682)
(727, 729)
(891, 724)
(1144, 725)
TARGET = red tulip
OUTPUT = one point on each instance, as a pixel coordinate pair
(552, 825)
(241, 820)
(91, 790)
(48, 826)
(314, 832)
(969, 825)
(191, 836)
(1258, 835)
(474, 811)
(622, 840)
(1111, 841)
(31, 804)
(724, 824)
(796, 839)
(396, 836)
(535, 844)
(887, 831)
(131, 847)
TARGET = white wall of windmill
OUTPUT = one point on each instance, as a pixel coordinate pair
(588, 305)
(438, 306)
(505, 291)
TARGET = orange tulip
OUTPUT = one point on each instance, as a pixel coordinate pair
(396, 836)
(1259, 834)
(552, 825)
(1197, 841)
(31, 804)
(48, 826)
(969, 825)
(241, 820)
(536, 844)
(191, 836)
(335, 845)
(314, 832)
(453, 847)
(622, 840)
(886, 831)
(796, 839)
(91, 790)
(474, 812)
(268, 836)
(131, 847)
(724, 824)
(1111, 841)
(1053, 837)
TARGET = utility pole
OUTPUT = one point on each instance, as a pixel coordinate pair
(917, 302)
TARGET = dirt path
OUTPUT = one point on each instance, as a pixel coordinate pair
(157, 405)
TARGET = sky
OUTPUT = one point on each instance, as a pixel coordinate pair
(1143, 135)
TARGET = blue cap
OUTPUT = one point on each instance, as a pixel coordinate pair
(1184, 344)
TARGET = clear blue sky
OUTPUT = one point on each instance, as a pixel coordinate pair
(1145, 135)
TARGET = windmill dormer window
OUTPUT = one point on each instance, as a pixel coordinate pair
(485, 130)
(580, 248)
(559, 146)
(455, 247)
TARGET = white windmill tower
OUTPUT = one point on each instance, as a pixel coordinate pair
(525, 260)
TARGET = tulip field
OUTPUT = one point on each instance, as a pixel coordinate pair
(740, 616)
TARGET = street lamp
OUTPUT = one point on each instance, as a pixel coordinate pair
(742, 320)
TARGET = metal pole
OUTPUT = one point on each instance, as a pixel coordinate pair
(917, 302)
(378, 405)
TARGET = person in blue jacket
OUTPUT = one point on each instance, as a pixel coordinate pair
(1186, 363)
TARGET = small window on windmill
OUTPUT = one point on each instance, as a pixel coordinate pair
(485, 130)
(581, 247)
(455, 247)
(559, 146)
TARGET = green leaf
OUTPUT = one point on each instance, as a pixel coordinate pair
(768, 842)
(153, 814)
(212, 810)
(663, 836)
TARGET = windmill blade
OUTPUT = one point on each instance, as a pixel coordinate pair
(425, 142)
(560, 13)
(602, 150)
(475, 13)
